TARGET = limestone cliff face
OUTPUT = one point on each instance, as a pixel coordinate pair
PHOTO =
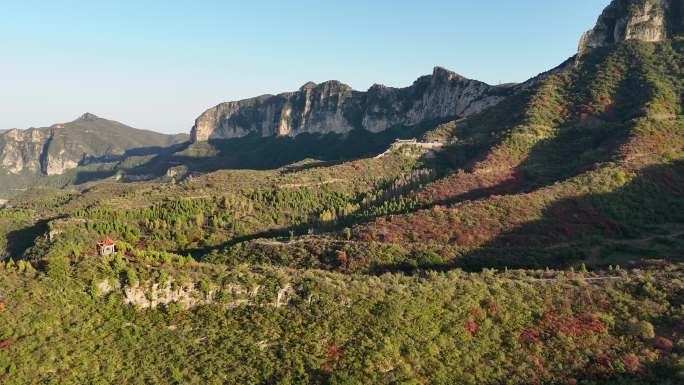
(21, 150)
(333, 107)
(643, 20)
(60, 147)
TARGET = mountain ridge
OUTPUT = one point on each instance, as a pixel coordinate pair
(57, 148)
(334, 107)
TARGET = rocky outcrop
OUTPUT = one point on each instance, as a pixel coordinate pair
(61, 147)
(642, 20)
(334, 107)
(150, 295)
(21, 150)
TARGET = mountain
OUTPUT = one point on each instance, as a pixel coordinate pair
(541, 243)
(333, 107)
(586, 165)
(88, 139)
(642, 20)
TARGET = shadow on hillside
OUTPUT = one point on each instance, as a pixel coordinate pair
(264, 153)
(600, 125)
(299, 167)
(90, 176)
(642, 220)
(140, 151)
(633, 222)
(575, 150)
(593, 146)
(18, 241)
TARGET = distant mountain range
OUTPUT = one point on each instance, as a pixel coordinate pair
(60, 147)
(27, 155)
(329, 108)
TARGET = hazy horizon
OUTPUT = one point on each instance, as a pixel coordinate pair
(160, 65)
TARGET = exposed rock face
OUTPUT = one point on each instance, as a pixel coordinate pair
(643, 20)
(151, 295)
(21, 150)
(333, 107)
(60, 147)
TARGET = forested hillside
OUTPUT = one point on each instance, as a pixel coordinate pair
(542, 243)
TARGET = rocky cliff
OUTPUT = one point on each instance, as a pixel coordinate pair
(335, 107)
(60, 147)
(644, 20)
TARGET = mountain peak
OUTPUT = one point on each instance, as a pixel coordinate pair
(307, 86)
(438, 70)
(88, 116)
(642, 20)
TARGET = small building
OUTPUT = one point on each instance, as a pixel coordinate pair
(106, 247)
(406, 141)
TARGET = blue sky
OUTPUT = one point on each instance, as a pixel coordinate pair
(159, 64)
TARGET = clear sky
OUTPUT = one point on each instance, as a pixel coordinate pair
(159, 64)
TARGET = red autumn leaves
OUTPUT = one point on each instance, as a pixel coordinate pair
(577, 325)
(471, 327)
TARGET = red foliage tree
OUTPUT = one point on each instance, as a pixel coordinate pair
(334, 354)
(5, 344)
(573, 326)
(663, 343)
(632, 363)
(530, 336)
(342, 258)
(471, 327)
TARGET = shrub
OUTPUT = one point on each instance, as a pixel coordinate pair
(663, 343)
(58, 268)
(429, 259)
(642, 329)
(130, 276)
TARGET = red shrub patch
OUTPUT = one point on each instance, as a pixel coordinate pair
(4, 344)
(389, 237)
(530, 336)
(366, 237)
(363, 261)
(333, 355)
(632, 363)
(575, 325)
(663, 343)
(342, 258)
(334, 352)
(602, 364)
(471, 327)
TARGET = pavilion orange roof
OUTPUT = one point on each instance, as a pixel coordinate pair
(107, 242)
